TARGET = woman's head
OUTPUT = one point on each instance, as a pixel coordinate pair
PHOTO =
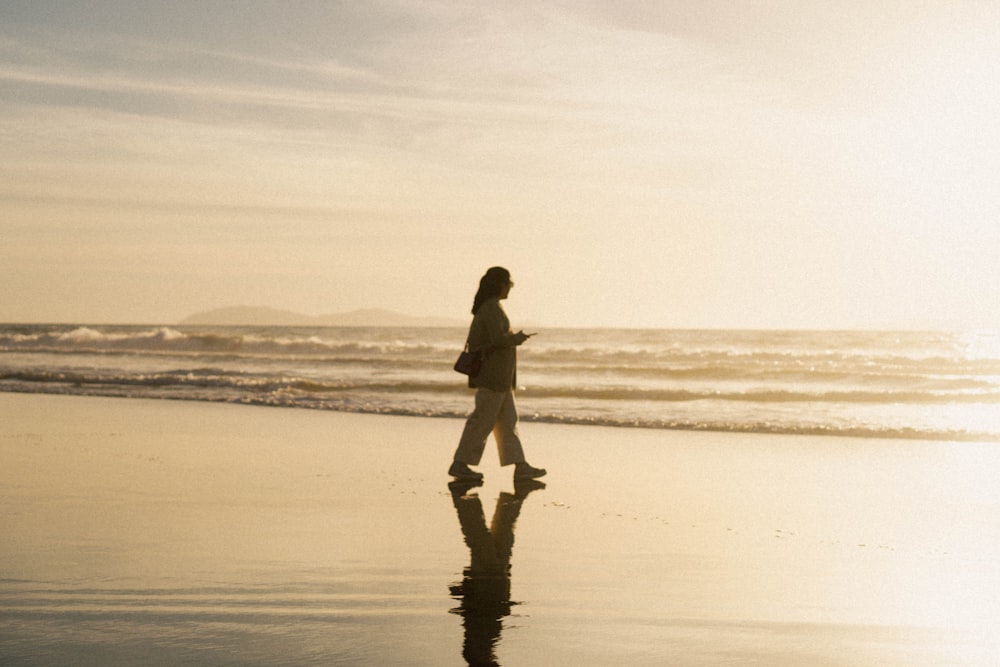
(494, 283)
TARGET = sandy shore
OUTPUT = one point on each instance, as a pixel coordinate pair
(163, 533)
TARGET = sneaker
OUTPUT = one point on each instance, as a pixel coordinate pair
(460, 487)
(522, 487)
(460, 470)
(524, 471)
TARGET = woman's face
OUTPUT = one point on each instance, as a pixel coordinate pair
(505, 290)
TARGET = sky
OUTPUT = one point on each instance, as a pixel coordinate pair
(675, 163)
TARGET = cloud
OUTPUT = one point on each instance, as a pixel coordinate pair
(730, 152)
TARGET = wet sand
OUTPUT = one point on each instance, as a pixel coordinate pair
(163, 533)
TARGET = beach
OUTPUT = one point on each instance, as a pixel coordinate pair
(163, 532)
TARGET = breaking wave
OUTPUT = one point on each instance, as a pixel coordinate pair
(860, 384)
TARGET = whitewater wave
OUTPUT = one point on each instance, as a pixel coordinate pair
(914, 385)
(285, 396)
(221, 379)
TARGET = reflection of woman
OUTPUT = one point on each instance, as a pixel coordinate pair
(491, 336)
(485, 589)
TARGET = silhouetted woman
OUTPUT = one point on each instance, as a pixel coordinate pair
(490, 335)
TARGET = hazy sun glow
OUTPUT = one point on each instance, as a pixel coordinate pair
(682, 164)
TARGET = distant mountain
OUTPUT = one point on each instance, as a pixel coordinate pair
(259, 316)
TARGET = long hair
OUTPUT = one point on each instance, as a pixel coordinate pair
(490, 286)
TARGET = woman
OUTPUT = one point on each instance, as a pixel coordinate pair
(491, 336)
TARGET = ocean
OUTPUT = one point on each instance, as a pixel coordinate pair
(919, 385)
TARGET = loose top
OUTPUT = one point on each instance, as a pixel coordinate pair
(490, 334)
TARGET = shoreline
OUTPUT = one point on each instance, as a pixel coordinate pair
(168, 531)
(906, 435)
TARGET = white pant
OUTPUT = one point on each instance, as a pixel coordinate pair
(494, 412)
